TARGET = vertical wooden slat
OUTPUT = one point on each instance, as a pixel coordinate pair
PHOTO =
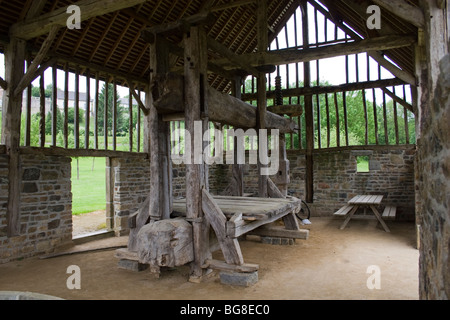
(375, 117)
(344, 103)
(54, 105)
(66, 106)
(405, 115)
(76, 134)
(88, 110)
(96, 106)
(130, 119)
(42, 112)
(338, 130)
(105, 114)
(385, 120)
(366, 119)
(394, 106)
(327, 106)
(138, 127)
(114, 120)
(28, 112)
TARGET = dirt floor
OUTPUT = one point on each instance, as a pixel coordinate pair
(332, 264)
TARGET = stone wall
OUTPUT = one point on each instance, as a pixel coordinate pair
(130, 184)
(434, 181)
(336, 179)
(45, 207)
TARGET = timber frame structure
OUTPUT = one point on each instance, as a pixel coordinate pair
(188, 61)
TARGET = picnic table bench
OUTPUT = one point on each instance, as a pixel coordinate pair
(371, 201)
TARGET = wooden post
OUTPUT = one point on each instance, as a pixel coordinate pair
(263, 43)
(12, 106)
(159, 142)
(238, 169)
(195, 70)
(309, 112)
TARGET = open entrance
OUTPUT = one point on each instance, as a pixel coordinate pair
(88, 196)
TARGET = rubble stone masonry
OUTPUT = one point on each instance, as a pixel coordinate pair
(45, 207)
(434, 182)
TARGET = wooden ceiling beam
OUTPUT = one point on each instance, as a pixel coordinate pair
(233, 4)
(287, 56)
(32, 28)
(404, 10)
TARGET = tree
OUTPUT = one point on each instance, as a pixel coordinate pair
(122, 120)
(35, 92)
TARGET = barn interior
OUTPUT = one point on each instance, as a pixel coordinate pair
(315, 86)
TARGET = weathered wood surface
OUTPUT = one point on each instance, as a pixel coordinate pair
(196, 110)
(287, 56)
(243, 214)
(165, 243)
(222, 108)
(36, 26)
(229, 246)
(221, 265)
(136, 222)
(280, 232)
(12, 105)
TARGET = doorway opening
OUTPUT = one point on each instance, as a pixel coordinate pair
(88, 196)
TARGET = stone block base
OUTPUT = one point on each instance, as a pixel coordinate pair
(239, 278)
(132, 265)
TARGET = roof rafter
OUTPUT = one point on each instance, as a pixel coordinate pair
(32, 28)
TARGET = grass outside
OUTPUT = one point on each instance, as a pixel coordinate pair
(363, 166)
(88, 185)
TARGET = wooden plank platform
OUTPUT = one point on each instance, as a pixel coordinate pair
(244, 214)
(252, 209)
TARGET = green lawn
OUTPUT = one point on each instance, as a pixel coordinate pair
(89, 190)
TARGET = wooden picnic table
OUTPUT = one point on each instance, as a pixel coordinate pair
(371, 201)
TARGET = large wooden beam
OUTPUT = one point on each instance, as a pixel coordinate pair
(196, 110)
(301, 91)
(231, 56)
(404, 10)
(38, 26)
(12, 105)
(288, 56)
(222, 108)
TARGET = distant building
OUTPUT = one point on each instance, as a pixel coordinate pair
(35, 101)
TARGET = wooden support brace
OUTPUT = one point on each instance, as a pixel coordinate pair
(137, 98)
(397, 99)
(41, 55)
(3, 84)
(229, 246)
